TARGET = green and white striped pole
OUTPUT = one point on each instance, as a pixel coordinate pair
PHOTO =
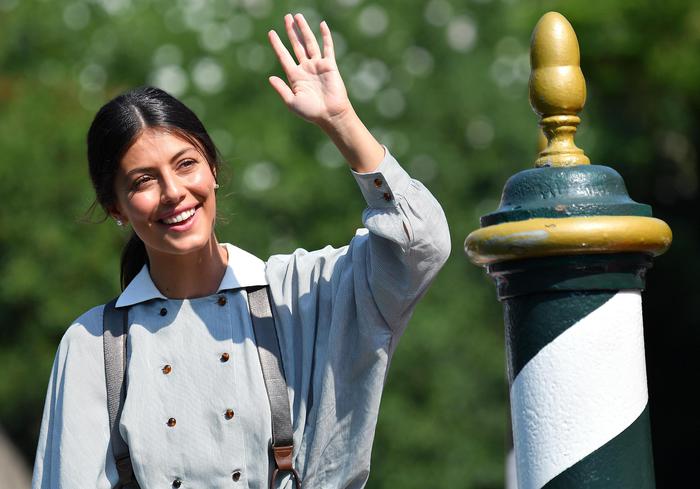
(569, 250)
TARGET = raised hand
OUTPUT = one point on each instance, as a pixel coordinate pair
(314, 88)
(316, 92)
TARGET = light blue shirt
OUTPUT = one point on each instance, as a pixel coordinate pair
(339, 313)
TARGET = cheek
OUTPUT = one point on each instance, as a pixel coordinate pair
(142, 206)
(204, 181)
(203, 185)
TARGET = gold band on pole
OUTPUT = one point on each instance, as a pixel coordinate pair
(567, 236)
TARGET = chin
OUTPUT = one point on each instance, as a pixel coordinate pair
(189, 244)
(178, 245)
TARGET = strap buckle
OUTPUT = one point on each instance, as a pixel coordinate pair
(292, 471)
(283, 463)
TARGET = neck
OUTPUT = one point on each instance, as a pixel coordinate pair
(195, 274)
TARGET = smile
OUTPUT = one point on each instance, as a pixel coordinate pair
(184, 215)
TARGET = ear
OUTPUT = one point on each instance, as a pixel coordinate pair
(116, 214)
(216, 180)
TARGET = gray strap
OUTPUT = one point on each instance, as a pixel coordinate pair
(275, 383)
(115, 328)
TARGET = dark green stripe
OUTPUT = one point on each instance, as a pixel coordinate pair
(533, 320)
(625, 462)
(607, 271)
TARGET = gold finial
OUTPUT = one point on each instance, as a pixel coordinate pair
(541, 141)
(557, 89)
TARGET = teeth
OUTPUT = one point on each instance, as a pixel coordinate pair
(180, 217)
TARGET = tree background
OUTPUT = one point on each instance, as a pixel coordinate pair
(443, 83)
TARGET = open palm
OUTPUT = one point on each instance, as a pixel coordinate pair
(315, 89)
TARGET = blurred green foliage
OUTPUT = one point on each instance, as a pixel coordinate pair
(443, 83)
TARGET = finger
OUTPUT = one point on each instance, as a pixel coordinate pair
(307, 34)
(328, 51)
(295, 38)
(282, 89)
(282, 53)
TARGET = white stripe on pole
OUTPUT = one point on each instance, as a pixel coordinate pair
(580, 391)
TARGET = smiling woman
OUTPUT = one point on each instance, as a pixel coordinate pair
(162, 182)
(202, 404)
(165, 189)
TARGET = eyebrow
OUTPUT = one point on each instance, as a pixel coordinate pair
(174, 157)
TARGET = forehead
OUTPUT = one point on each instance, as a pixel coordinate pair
(153, 146)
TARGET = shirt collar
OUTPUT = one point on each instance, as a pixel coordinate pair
(243, 270)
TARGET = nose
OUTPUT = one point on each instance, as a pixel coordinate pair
(172, 189)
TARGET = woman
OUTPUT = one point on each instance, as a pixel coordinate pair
(197, 412)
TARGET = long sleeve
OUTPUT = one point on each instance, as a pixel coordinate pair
(340, 314)
(73, 449)
(408, 240)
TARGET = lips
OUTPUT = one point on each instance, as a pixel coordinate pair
(179, 218)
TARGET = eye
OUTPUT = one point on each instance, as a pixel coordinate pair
(188, 163)
(140, 181)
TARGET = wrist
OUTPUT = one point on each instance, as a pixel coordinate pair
(340, 122)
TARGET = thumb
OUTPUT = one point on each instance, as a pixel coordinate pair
(282, 89)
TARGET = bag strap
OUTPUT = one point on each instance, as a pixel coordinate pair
(115, 326)
(275, 382)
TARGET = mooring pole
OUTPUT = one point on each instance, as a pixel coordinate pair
(568, 250)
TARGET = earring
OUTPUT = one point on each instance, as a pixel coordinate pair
(216, 185)
(119, 222)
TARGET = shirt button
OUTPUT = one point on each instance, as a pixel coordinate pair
(163, 311)
(222, 300)
(225, 356)
(228, 414)
(236, 476)
(177, 483)
(167, 369)
(378, 182)
(387, 196)
(172, 422)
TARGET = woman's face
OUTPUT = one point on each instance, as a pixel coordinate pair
(165, 189)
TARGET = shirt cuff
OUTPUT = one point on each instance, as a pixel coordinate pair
(381, 187)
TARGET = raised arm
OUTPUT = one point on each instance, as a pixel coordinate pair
(315, 91)
(408, 239)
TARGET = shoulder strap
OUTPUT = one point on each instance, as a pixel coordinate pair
(115, 326)
(275, 382)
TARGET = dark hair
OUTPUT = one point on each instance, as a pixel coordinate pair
(115, 128)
